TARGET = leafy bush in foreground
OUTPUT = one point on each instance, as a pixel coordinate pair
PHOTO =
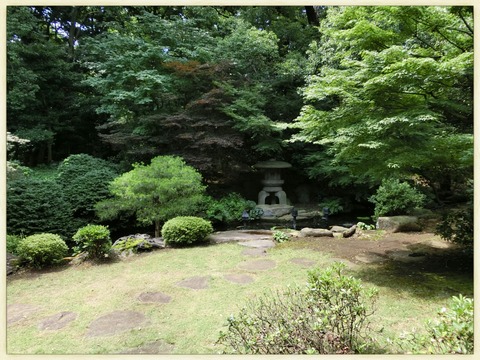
(12, 243)
(186, 230)
(94, 239)
(451, 333)
(329, 316)
(396, 198)
(41, 250)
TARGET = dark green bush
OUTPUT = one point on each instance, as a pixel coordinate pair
(450, 333)
(38, 206)
(186, 230)
(396, 198)
(42, 250)
(12, 243)
(457, 226)
(229, 209)
(85, 181)
(329, 316)
(93, 239)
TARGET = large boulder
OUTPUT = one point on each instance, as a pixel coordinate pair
(140, 242)
(349, 232)
(311, 232)
(398, 223)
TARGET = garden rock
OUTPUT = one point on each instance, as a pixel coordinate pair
(349, 232)
(239, 278)
(255, 252)
(154, 297)
(258, 243)
(339, 229)
(258, 265)
(17, 312)
(13, 263)
(147, 243)
(310, 232)
(240, 235)
(398, 223)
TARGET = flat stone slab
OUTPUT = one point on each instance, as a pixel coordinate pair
(57, 321)
(239, 278)
(195, 282)
(240, 235)
(258, 265)
(303, 262)
(154, 297)
(258, 243)
(17, 312)
(255, 252)
(370, 258)
(115, 322)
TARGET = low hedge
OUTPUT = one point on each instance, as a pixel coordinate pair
(186, 230)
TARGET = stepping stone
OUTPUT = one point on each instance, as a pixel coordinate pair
(303, 262)
(57, 321)
(255, 252)
(258, 265)
(115, 322)
(196, 282)
(17, 312)
(239, 278)
(156, 347)
(154, 297)
(258, 243)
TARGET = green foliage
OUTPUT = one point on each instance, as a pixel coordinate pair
(186, 230)
(166, 188)
(329, 316)
(12, 243)
(36, 206)
(280, 236)
(131, 244)
(362, 226)
(396, 198)
(94, 239)
(390, 93)
(42, 250)
(450, 333)
(229, 209)
(333, 204)
(85, 182)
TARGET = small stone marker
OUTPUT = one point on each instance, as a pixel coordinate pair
(154, 297)
(115, 322)
(195, 282)
(57, 321)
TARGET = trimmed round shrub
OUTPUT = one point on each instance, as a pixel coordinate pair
(93, 239)
(396, 198)
(42, 250)
(186, 230)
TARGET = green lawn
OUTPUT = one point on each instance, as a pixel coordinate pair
(192, 320)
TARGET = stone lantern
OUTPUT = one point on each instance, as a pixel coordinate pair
(272, 192)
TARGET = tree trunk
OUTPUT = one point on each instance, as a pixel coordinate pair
(312, 16)
(157, 228)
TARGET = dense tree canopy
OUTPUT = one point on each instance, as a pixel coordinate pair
(351, 94)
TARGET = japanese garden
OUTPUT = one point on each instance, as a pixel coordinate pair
(239, 180)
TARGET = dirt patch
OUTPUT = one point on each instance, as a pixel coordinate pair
(258, 265)
(195, 282)
(115, 322)
(303, 262)
(57, 321)
(18, 312)
(239, 278)
(154, 297)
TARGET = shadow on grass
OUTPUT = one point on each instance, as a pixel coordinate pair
(436, 273)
